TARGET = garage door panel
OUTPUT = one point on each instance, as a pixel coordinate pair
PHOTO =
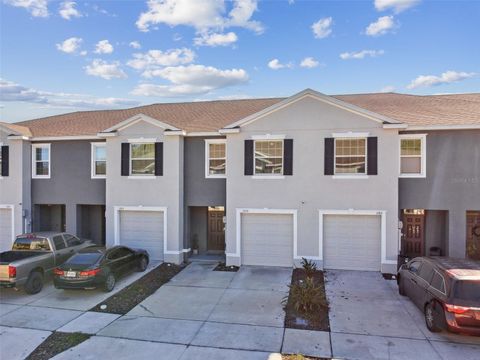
(267, 239)
(6, 231)
(352, 242)
(143, 230)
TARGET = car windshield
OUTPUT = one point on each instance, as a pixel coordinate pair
(31, 243)
(84, 259)
(468, 290)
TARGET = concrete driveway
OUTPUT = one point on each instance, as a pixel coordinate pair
(26, 320)
(369, 320)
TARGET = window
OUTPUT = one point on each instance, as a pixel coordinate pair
(426, 272)
(414, 266)
(268, 157)
(72, 240)
(99, 160)
(59, 242)
(412, 155)
(142, 159)
(350, 156)
(41, 161)
(438, 282)
(216, 158)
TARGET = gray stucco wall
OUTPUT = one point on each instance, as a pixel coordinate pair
(199, 190)
(308, 122)
(452, 182)
(160, 191)
(70, 182)
(15, 188)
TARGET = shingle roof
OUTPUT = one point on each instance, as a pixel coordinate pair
(414, 110)
(16, 129)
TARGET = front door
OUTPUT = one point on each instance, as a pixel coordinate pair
(413, 232)
(216, 229)
(473, 235)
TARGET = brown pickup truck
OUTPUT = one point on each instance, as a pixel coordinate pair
(34, 256)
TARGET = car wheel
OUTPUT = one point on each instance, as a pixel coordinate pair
(34, 283)
(143, 263)
(401, 288)
(109, 283)
(430, 318)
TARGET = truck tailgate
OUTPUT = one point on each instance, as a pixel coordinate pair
(4, 273)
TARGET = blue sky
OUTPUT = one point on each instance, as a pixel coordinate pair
(63, 56)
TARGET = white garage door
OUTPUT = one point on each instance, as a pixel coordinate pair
(352, 242)
(6, 230)
(267, 239)
(143, 230)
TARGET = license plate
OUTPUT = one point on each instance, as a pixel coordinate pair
(71, 274)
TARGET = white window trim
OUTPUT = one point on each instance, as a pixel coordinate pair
(268, 137)
(423, 162)
(383, 230)
(207, 158)
(130, 159)
(34, 175)
(350, 175)
(93, 160)
(240, 211)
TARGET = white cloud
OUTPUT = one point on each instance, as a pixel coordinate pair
(70, 45)
(202, 15)
(275, 64)
(36, 8)
(322, 28)
(67, 10)
(215, 39)
(155, 59)
(191, 80)
(105, 70)
(10, 91)
(447, 77)
(309, 62)
(103, 47)
(397, 5)
(387, 89)
(135, 45)
(383, 25)
(361, 54)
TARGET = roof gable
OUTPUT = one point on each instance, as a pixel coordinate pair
(136, 119)
(318, 96)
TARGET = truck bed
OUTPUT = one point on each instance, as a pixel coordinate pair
(10, 256)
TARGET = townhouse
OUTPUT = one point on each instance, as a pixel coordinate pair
(348, 181)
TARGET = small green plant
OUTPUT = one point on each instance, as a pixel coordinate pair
(306, 297)
(309, 266)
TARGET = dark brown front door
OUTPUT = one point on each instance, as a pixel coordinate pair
(473, 235)
(413, 233)
(216, 232)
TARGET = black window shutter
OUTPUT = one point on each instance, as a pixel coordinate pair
(5, 161)
(125, 159)
(329, 156)
(248, 159)
(159, 158)
(288, 157)
(372, 150)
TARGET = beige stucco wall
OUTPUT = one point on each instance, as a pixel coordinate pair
(308, 121)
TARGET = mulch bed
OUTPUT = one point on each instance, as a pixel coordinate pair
(56, 343)
(223, 267)
(129, 297)
(301, 357)
(318, 320)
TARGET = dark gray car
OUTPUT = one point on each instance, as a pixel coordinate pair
(446, 290)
